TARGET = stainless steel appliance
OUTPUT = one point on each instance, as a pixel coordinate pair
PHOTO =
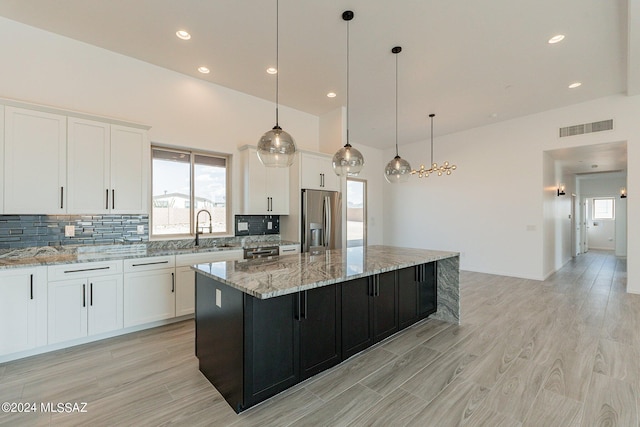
(321, 221)
(263, 252)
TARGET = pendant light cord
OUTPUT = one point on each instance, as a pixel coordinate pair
(431, 116)
(347, 82)
(277, 55)
(396, 105)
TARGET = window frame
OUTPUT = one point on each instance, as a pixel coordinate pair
(364, 209)
(613, 209)
(192, 153)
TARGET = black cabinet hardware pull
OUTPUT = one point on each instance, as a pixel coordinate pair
(297, 314)
(149, 263)
(305, 304)
(86, 269)
(107, 200)
(288, 250)
(32, 286)
(113, 199)
(84, 296)
(91, 294)
(61, 197)
(173, 282)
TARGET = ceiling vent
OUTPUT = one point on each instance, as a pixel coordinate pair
(586, 128)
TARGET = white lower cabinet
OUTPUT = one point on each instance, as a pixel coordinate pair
(88, 301)
(23, 309)
(149, 290)
(186, 277)
(289, 249)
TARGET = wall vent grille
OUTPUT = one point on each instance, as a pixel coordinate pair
(586, 128)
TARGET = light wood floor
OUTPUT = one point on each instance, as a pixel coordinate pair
(563, 352)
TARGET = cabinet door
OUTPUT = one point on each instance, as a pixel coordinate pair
(427, 289)
(35, 162)
(129, 170)
(149, 296)
(278, 189)
(185, 291)
(67, 310)
(320, 334)
(88, 152)
(317, 173)
(255, 198)
(271, 347)
(407, 297)
(18, 310)
(105, 300)
(357, 331)
(385, 318)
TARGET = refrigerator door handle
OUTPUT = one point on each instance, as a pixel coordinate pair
(327, 221)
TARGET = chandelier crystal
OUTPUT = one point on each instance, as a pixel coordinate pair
(444, 169)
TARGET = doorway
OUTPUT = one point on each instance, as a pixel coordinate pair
(356, 212)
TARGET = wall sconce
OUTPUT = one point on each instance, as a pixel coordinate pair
(623, 193)
(561, 190)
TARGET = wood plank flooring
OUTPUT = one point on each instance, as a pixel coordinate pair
(563, 352)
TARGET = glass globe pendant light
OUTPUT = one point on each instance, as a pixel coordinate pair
(398, 169)
(276, 148)
(347, 161)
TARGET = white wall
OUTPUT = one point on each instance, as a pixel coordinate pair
(45, 68)
(492, 209)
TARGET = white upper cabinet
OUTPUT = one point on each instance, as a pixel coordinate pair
(316, 172)
(88, 174)
(35, 162)
(266, 190)
(129, 170)
(1, 159)
(107, 168)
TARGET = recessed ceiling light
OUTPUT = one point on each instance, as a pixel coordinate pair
(575, 85)
(204, 70)
(556, 39)
(493, 115)
(182, 34)
(272, 70)
(331, 95)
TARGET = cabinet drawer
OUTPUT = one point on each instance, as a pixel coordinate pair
(149, 263)
(200, 258)
(84, 269)
(289, 249)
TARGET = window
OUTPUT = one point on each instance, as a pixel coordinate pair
(356, 212)
(603, 208)
(184, 183)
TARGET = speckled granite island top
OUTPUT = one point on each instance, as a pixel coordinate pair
(272, 277)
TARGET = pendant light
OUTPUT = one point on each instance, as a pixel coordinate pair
(276, 148)
(347, 161)
(398, 169)
(446, 168)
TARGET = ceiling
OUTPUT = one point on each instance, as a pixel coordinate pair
(592, 160)
(471, 63)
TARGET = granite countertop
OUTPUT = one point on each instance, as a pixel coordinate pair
(49, 255)
(270, 277)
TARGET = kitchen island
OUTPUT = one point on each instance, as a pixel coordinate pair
(264, 325)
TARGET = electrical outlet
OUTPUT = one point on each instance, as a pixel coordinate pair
(140, 229)
(269, 225)
(69, 230)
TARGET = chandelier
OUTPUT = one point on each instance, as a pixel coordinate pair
(445, 168)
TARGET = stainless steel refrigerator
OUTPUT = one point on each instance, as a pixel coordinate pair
(321, 221)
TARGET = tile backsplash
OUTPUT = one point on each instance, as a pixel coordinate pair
(255, 225)
(22, 231)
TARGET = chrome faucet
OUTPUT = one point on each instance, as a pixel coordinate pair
(198, 232)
